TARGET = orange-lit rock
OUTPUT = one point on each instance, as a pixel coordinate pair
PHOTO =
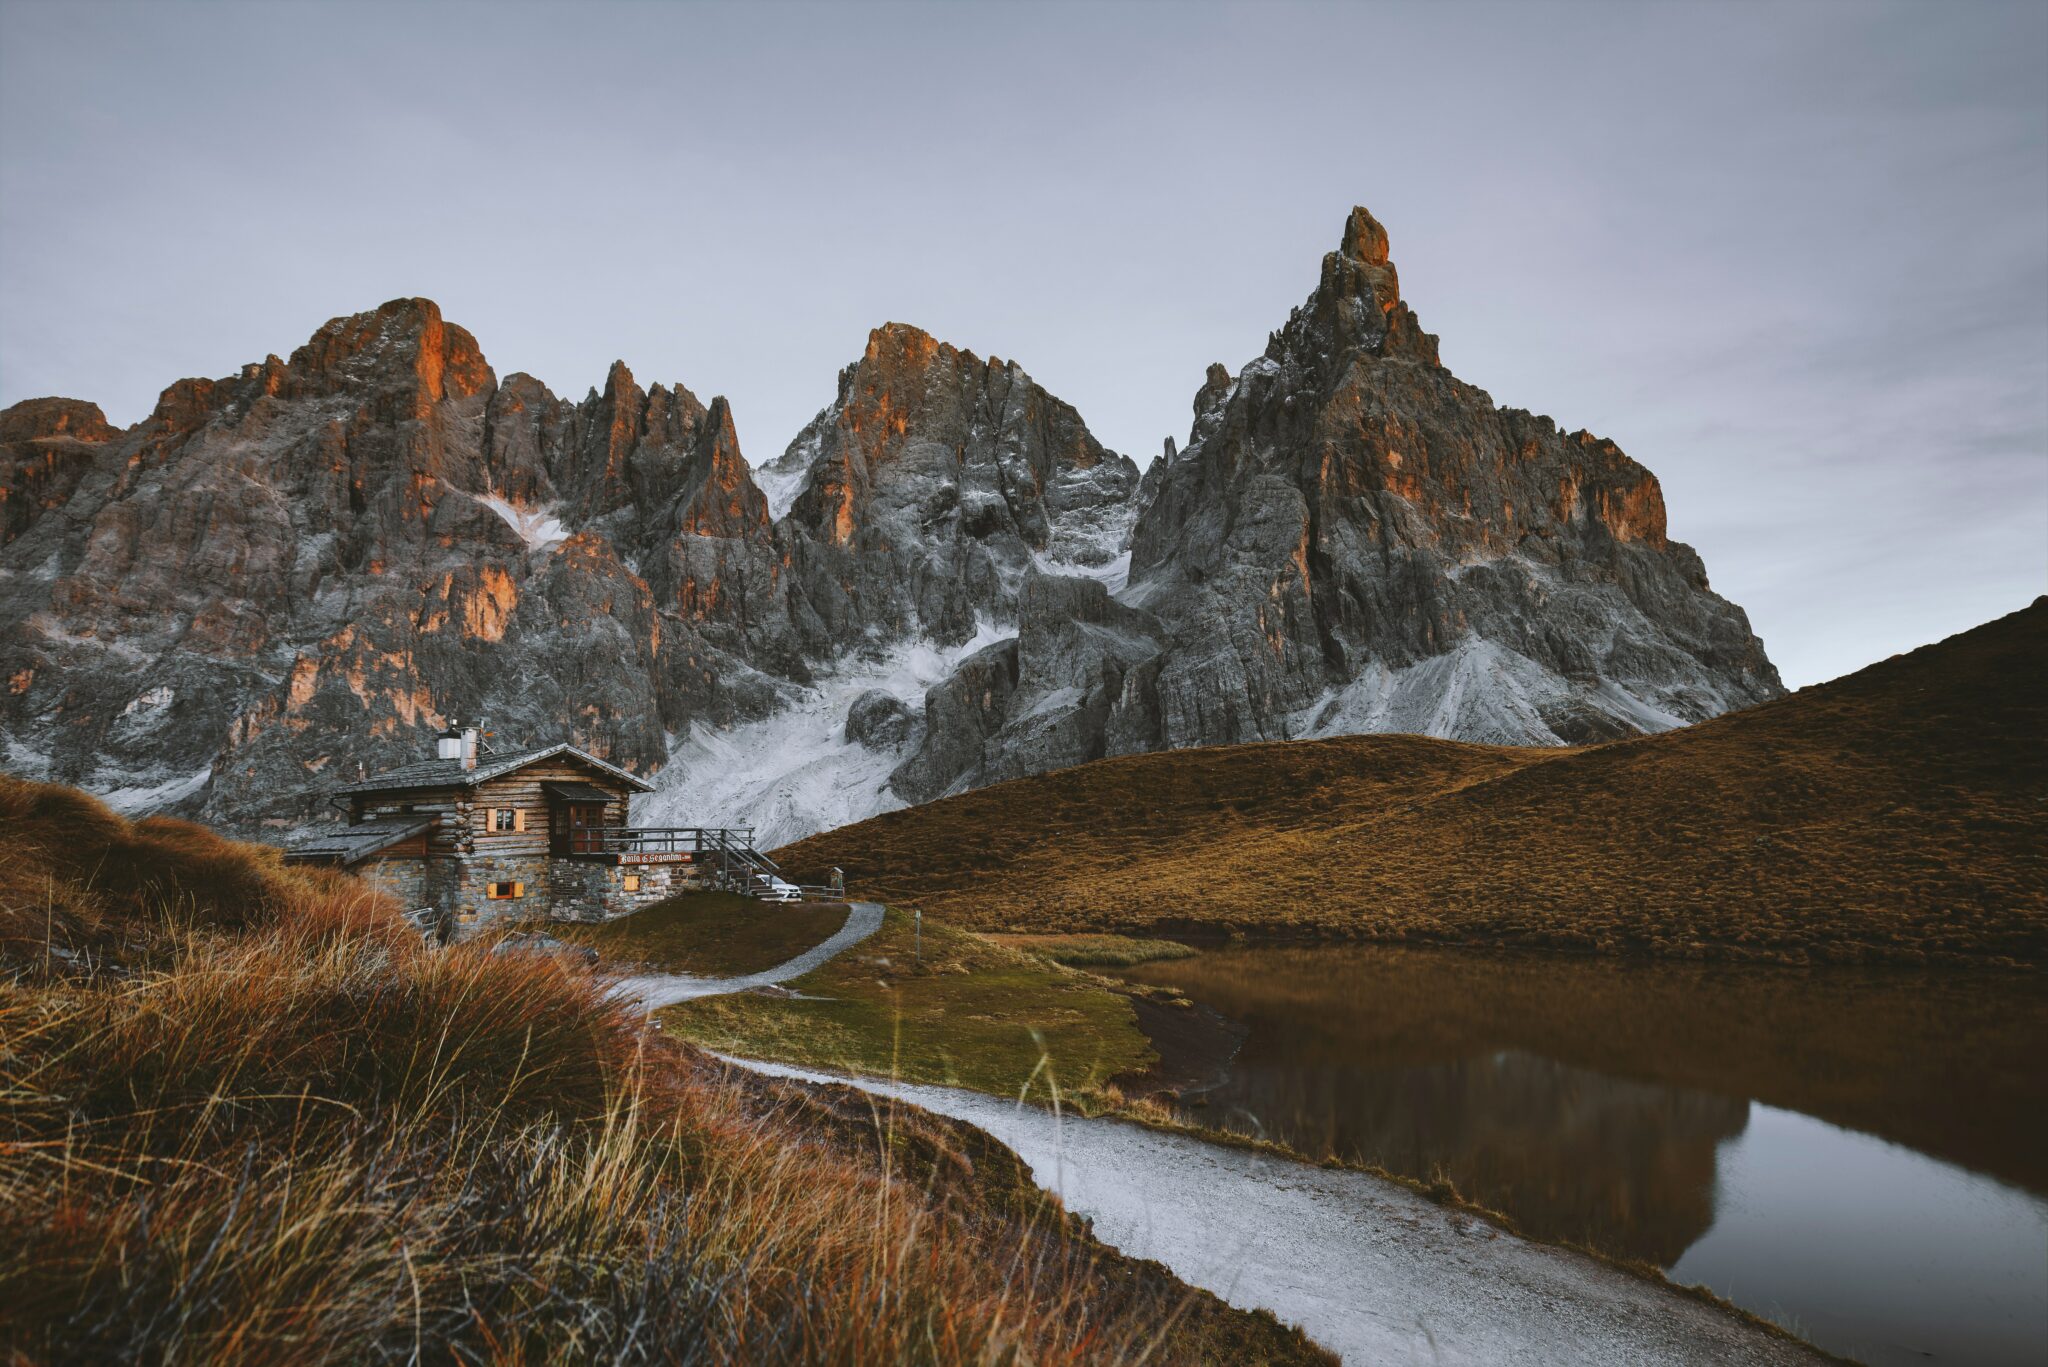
(46, 447)
(331, 555)
(316, 541)
(1540, 556)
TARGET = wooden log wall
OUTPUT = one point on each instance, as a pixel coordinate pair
(466, 826)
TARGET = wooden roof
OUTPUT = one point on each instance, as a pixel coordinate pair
(346, 845)
(449, 773)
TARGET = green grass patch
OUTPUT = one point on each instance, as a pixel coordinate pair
(969, 1013)
(712, 934)
(1097, 951)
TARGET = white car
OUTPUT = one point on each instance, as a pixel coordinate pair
(769, 888)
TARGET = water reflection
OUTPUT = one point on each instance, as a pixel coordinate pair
(1668, 1113)
(1625, 1166)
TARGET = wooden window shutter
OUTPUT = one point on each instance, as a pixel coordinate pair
(519, 819)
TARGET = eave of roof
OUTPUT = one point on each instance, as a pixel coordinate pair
(352, 844)
(448, 773)
(576, 792)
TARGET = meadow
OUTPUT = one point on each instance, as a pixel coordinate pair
(246, 1116)
(931, 1003)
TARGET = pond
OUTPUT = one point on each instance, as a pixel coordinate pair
(1856, 1154)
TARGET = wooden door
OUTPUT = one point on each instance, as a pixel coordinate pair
(586, 828)
(576, 828)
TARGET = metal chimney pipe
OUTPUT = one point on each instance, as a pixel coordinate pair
(469, 747)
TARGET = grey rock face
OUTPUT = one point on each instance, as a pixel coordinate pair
(1072, 680)
(945, 580)
(879, 720)
(962, 716)
(934, 482)
(1355, 540)
(313, 564)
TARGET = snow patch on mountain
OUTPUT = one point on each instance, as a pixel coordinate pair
(795, 773)
(783, 478)
(1481, 691)
(143, 797)
(780, 487)
(1114, 573)
(539, 528)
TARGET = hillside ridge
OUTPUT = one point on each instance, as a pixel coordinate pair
(1896, 814)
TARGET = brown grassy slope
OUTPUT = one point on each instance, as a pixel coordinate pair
(270, 1126)
(80, 884)
(1900, 813)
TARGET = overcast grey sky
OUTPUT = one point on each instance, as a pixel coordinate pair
(1794, 258)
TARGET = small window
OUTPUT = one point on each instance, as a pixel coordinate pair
(498, 892)
(632, 882)
(508, 819)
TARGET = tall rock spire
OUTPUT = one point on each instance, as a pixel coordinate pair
(1355, 540)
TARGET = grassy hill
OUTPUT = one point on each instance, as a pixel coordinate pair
(247, 1117)
(1897, 814)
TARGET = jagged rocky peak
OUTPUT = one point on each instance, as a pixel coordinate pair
(1381, 514)
(1353, 539)
(945, 580)
(1356, 306)
(716, 495)
(925, 439)
(627, 452)
(714, 559)
(1365, 242)
(312, 563)
(46, 447)
(403, 345)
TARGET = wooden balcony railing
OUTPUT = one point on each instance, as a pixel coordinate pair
(729, 845)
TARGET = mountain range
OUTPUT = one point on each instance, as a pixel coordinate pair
(300, 572)
(1895, 815)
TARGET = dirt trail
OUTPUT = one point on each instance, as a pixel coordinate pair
(656, 990)
(1365, 1266)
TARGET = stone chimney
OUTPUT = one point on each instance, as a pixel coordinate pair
(448, 745)
(469, 737)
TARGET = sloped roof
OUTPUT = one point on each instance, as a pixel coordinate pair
(347, 845)
(449, 773)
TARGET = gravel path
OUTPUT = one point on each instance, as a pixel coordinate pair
(656, 990)
(1365, 1266)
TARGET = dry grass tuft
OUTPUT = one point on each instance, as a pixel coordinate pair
(1897, 815)
(82, 889)
(1096, 951)
(247, 1117)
